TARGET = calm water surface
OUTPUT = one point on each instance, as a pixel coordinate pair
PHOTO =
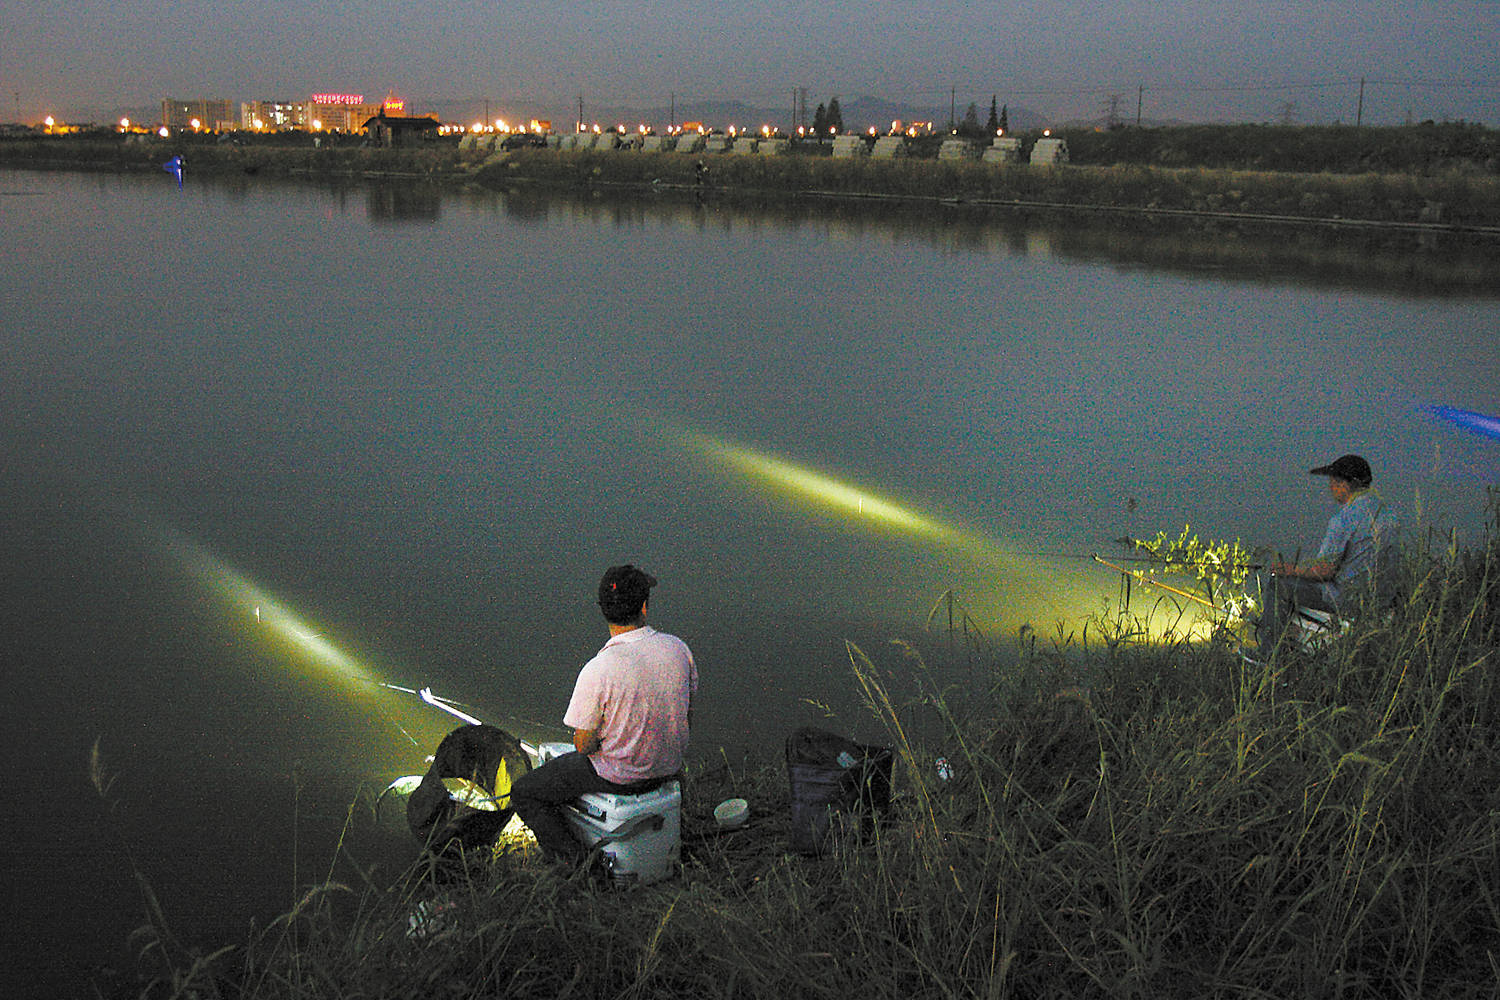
(413, 429)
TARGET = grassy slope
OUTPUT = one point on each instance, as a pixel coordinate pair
(1126, 819)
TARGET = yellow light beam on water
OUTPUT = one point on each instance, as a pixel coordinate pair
(1028, 587)
(240, 591)
(805, 483)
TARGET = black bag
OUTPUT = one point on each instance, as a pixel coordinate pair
(483, 756)
(831, 775)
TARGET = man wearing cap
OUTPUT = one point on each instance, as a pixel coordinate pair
(1360, 537)
(629, 713)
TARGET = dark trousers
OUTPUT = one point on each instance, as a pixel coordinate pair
(1281, 597)
(538, 797)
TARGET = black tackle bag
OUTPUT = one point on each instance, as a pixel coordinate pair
(832, 779)
(484, 760)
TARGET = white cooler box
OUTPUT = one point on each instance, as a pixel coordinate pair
(642, 834)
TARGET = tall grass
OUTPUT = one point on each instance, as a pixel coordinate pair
(1125, 818)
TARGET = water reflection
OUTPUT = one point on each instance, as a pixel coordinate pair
(401, 202)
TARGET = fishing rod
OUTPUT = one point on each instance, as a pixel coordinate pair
(445, 704)
(450, 706)
(1158, 560)
(1151, 582)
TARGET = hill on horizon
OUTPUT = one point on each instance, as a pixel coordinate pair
(859, 114)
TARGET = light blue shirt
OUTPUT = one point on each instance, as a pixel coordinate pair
(1362, 531)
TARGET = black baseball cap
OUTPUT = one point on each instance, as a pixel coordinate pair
(623, 590)
(1350, 468)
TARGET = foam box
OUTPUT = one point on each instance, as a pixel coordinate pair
(642, 834)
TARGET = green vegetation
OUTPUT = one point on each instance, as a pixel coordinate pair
(1126, 818)
(283, 154)
(1340, 149)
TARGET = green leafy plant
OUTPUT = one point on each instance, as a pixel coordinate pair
(1221, 569)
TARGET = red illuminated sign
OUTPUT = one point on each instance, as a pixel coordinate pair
(338, 98)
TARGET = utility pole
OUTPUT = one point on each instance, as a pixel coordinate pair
(580, 111)
(672, 115)
(1140, 92)
(952, 107)
(1359, 115)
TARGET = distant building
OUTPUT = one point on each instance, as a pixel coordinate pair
(399, 130)
(198, 115)
(319, 113)
(272, 116)
(1049, 152)
(338, 113)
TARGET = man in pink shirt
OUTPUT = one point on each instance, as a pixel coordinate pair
(629, 713)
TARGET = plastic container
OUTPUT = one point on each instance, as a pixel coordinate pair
(732, 814)
(641, 834)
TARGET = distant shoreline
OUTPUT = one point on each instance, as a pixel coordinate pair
(1464, 201)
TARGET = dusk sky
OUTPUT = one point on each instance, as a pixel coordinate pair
(1243, 60)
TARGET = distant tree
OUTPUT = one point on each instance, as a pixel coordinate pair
(993, 124)
(1005, 117)
(970, 125)
(820, 121)
(835, 115)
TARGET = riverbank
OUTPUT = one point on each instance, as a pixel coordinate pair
(1443, 203)
(1463, 198)
(1118, 817)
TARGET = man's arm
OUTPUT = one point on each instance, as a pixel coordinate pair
(1318, 569)
(585, 741)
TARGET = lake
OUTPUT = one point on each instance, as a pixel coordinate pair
(269, 446)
